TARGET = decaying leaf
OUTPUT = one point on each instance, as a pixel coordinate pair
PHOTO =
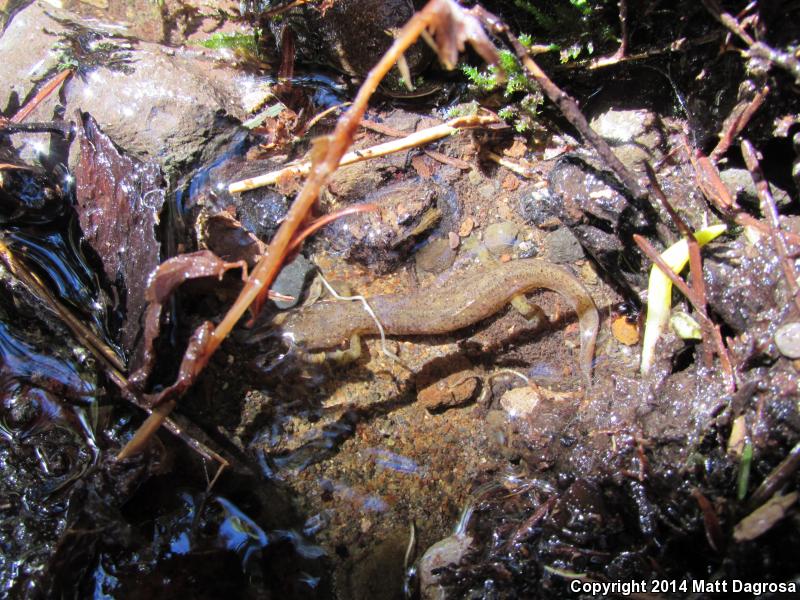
(118, 202)
(166, 279)
(451, 27)
(764, 517)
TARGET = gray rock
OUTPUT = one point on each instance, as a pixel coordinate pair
(499, 238)
(562, 246)
(291, 280)
(635, 134)
(172, 106)
(740, 183)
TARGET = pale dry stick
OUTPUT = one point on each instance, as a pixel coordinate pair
(771, 211)
(568, 106)
(509, 164)
(418, 138)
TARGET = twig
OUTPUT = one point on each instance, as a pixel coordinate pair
(777, 478)
(785, 60)
(568, 106)
(48, 89)
(735, 123)
(413, 140)
(716, 192)
(512, 166)
(317, 118)
(770, 210)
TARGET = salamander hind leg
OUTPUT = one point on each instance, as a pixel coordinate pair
(339, 357)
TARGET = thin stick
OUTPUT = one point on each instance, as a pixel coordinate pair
(413, 140)
(512, 166)
(736, 125)
(48, 89)
(568, 106)
(771, 211)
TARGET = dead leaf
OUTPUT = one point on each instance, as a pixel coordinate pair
(118, 202)
(167, 278)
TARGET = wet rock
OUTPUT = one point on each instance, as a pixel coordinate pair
(580, 515)
(452, 391)
(590, 202)
(788, 339)
(499, 238)
(436, 256)
(382, 238)
(520, 402)
(745, 286)
(561, 246)
(352, 35)
(740, 183)
(168, 105)
(444, 553)
(530, 425)
(118, 203)
(142, 19)
(291, 281)
(635, 135)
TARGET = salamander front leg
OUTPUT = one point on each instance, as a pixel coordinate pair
(532, 312)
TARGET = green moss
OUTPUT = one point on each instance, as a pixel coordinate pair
(247, 42)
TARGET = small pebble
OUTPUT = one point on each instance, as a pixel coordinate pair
(787, 338)
(454, 240)
(499, 238)
(451, 391)
(435, 257)
(624, 331)
(466, 227)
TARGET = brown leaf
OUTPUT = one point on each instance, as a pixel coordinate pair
(118, 202)
(422, 167)
(451, 27)
(167, 278)
(228, 239)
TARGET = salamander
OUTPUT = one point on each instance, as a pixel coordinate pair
(443, 307)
